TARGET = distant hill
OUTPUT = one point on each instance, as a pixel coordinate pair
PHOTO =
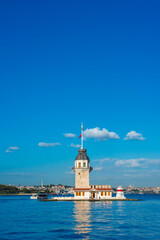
(5, 189)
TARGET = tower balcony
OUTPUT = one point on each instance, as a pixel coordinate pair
(82, 168)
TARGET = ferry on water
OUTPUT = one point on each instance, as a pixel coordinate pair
(41, 196)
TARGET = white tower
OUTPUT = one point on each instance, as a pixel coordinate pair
(120, 193)
(82, 169)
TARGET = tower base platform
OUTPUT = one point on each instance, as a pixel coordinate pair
(90, 200)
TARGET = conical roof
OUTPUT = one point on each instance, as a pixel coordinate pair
(82, 155)
(119, 187)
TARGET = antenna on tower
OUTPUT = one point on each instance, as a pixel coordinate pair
(82, 135)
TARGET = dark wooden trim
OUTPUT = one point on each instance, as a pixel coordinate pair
(81, 189)
(103, 189)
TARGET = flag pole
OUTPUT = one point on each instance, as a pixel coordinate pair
(82, 135)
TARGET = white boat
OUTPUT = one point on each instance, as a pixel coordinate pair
(34, 196)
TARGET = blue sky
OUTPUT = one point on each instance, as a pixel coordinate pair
(63, 62)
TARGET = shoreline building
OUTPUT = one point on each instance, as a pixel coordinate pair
(82, 169)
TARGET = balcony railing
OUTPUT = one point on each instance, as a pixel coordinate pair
(82, 168)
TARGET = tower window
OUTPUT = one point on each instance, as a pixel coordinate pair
(84, 164)
(79, 165)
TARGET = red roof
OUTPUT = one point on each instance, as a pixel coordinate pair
(87, 189)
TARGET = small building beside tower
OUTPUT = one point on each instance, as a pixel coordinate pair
(120, 193)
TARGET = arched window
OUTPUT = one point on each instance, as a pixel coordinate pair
(79, 165)
(84, 164)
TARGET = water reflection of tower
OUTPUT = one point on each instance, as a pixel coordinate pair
(82, 215)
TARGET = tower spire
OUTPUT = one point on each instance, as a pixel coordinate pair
(82, 135)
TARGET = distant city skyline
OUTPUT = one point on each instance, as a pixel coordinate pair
(64, 63)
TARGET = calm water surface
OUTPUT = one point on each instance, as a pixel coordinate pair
(23, 218)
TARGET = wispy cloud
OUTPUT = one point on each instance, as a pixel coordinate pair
(98, 168)
(43, 144)
(102, 160)
(137, 175)
(132, 135)
(8, 151)
(137, 162)
(101, 135)
(129, 163)
(17, 173)
(153, 161)
(11, 149)
(75, 145)
(14, 148)
(69, 172)
(69, 135)
(156, 171)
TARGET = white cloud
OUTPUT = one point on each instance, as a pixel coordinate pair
(11, 149)
(132, 135)
(153, 161)
(101, 135)
(131, 170)
(128, 175)
(128, 163)
(69, 135)
(17, 173)
(156, 171)
(43, 144)
(8, 151)
(137, 162)
(137, 175)
(97, 168)
(102, 160)
(75, 145)
(69, 172)
(14, 148)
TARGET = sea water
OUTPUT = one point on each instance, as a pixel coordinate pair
(23, 218)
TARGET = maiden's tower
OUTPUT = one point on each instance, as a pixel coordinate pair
(82, 168)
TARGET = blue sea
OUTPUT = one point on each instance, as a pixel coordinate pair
(23, 218)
